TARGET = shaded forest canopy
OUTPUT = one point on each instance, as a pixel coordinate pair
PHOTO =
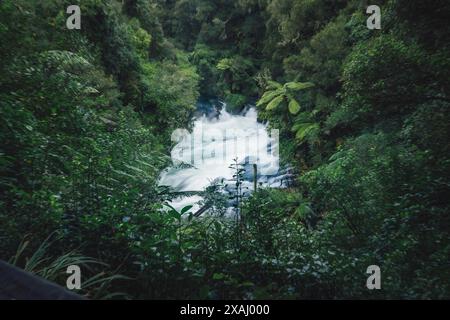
(86, 122)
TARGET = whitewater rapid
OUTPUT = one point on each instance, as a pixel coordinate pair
(204, 155)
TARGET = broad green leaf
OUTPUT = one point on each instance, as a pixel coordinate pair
(294, 107)
(267, 96)
(275, 103)
(296, 86)
(186, 209)
(273, 85)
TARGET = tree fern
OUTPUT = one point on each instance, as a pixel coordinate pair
(277, 94)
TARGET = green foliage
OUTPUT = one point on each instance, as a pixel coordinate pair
(365, 174)
(304, 129)
(140, 39)
(86, 118)
(235, 74)
(283, 93)
(205, 59)
(172, 92)
(54, 269)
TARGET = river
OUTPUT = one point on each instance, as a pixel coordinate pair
(204, 155)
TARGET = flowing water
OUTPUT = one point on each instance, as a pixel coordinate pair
(204, 155)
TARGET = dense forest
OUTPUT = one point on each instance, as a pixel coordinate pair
(87, 116)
